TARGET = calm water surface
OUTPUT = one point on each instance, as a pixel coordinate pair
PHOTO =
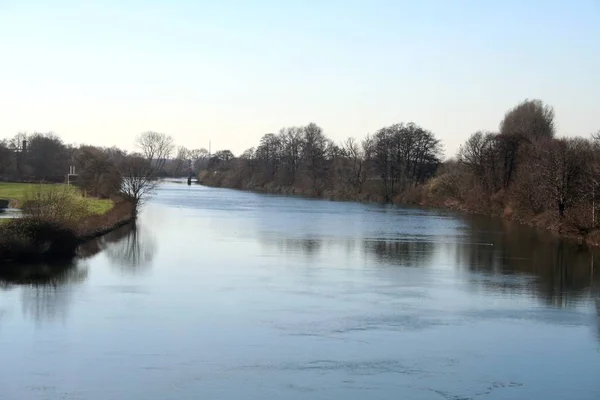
(219, 294)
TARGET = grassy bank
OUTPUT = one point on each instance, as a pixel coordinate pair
(17, 194)
(58, 218)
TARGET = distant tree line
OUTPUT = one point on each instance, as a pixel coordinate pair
(526, 172)
(523, 170)
(303, 160)
(101, 171)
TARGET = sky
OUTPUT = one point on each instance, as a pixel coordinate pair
(231, 71)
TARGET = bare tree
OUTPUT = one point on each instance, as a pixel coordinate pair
(156, 148)
(480, 155)
(199, 159)
(182, 162)
(532, 119)
(561, 170)
(16, 143)
(138, 181)
(355, 155)
(98, 174)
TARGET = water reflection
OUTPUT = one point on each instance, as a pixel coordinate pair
(131, 248)
(51, 300)
(410, 253)
(499, 256)
(563, 270)
(134, 252)
(47, 290)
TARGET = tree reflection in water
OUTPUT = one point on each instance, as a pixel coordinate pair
(500, 256)
(134, 252)
(50, 300)
(46, 289)
(131, 248)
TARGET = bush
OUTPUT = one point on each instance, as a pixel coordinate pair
(61, 205)
(28, 238)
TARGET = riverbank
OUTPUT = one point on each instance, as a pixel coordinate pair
(35, 240)
(12, 195)
(425, 195)
(59, 219)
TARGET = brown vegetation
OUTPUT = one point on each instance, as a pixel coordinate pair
(522, 172)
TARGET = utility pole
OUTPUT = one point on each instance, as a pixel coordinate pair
(209, 153)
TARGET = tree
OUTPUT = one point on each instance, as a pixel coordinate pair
(404, 155)
(138, 180)
(6, 157)
(480, 155)
(531, 119)
(269, 155)
(97, 173)
(220, 159)
(313, 153)
(16, 143)
(156, 148)
(48, 157)
(182, 163)
(199, 159)
(291, 145)
(355, 155)
(528, 122)
(560, 171)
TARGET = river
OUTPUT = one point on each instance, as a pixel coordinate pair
(222, 294)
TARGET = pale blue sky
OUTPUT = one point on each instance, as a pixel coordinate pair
(231, 71)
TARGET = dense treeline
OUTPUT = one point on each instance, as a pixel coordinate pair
(523, 171)
(57, 218)
(303, 160)
(526, 172)
(45, 157)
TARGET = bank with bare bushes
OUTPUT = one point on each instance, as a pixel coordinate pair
(522, 172)
(56, 222)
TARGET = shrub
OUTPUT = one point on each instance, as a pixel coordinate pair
(29, 239)
(61, 205)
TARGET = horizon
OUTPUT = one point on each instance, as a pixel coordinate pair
(230, 73)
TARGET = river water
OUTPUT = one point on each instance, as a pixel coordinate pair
(221, 294)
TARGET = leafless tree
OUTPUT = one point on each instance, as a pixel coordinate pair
(199, 159)
(480, 155)
(156, 148)
(98, 174)
(355, 155)
(16, 143)
(182, 161)
(138, 180)
(560, 170)
(531, 119)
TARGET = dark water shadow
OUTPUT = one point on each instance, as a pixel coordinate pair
(133, 253)
(42, 274)
(131, 248)
(497, 256)
(46, 289)
(562, 272)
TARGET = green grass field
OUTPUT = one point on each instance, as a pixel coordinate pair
(18, 192)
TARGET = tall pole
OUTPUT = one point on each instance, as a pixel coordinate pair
(209, 153)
